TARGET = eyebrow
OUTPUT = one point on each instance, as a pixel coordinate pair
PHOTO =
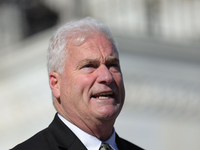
(112, 59)
(90, 60)
(86, 61)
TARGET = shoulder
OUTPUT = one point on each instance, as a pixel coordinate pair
(43, 140)
(124, 144)
(39, 141)
(56, 136)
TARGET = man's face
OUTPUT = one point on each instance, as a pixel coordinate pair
(91, 87)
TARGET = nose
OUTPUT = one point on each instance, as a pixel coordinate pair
(104, 75)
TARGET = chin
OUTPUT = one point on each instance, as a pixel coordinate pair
(109, 112)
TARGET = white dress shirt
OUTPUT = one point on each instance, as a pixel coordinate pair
(90, 142)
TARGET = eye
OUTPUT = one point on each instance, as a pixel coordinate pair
(114, 67)
(90, 66)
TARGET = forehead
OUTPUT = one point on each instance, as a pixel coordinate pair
(96, 47)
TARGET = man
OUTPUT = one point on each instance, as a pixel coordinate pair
(88, 90)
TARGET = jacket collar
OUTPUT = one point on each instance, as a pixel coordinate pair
(64, 137)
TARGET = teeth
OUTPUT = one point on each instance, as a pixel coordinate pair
(104, 95)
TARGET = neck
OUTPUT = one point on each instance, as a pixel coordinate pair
(102, 131)
(100, 128)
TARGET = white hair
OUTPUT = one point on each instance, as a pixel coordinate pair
(76, 32)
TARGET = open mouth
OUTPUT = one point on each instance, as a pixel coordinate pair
(104, 95)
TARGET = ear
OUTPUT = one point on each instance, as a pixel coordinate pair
(54, 82)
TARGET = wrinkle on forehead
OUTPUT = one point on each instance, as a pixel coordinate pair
(102, 45)
(98, 48)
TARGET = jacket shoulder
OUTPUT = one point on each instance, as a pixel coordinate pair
(124, 144)
(39, 141)
(57, 136)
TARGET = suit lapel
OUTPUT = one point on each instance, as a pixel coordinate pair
(63, 137)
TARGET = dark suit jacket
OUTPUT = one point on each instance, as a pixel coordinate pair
(59, 137)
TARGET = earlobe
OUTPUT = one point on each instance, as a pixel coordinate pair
(54, 82)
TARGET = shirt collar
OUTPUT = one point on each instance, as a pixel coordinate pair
(90, 142)
(111, 141)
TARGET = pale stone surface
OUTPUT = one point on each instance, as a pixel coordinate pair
(162, 98)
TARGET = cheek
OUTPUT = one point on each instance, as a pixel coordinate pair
(67, 87)
(118, 79)
(83, 84)
(120, 84)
